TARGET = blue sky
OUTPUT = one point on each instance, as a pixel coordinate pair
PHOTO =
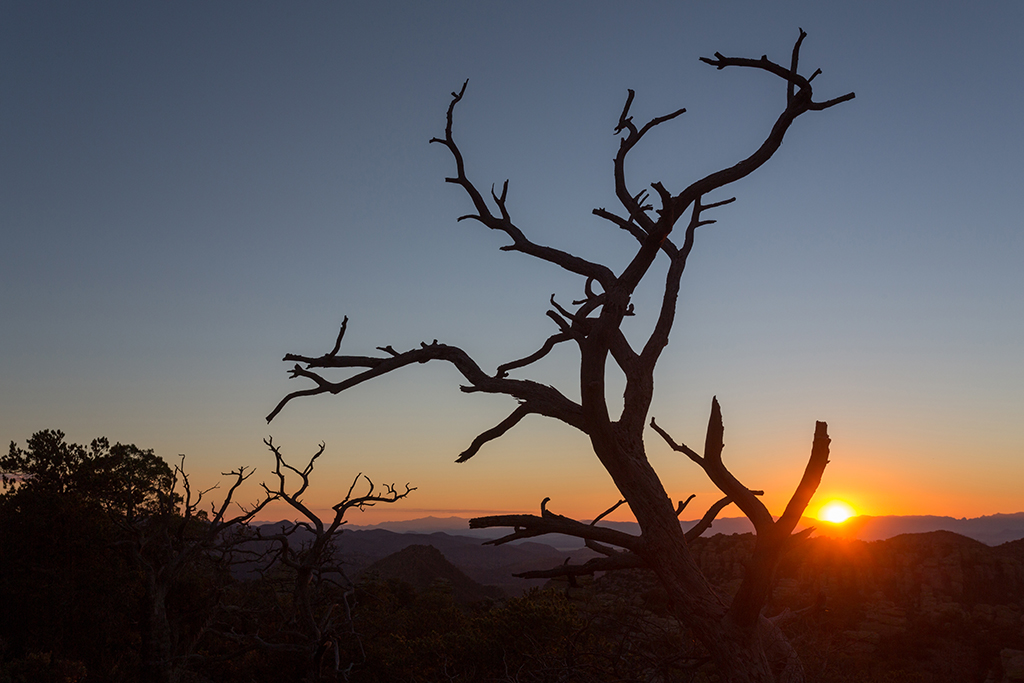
(191, 190)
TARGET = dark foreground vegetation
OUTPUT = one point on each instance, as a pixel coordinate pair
(88, 534)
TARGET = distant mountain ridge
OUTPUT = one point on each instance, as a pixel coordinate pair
(360, 547)
(990, 529)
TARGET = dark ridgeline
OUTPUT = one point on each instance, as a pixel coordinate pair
(489, 565)
(743, 642)
(989, 529)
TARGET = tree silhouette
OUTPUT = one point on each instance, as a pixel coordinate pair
(744, 644)
(317, 626)
(66, 589)
(104, 526)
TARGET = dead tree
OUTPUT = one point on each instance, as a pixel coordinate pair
(165, 542)
(315, 623)
(744, 645)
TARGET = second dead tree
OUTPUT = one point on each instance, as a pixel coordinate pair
(317, 622)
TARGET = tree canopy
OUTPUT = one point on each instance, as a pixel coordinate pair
(122, 478)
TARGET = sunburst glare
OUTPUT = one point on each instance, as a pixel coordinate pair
(836, 511)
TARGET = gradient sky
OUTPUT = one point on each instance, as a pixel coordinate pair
(190, 190)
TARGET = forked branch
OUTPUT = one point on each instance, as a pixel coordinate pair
(798, 103)
(773, 536)
(633, 203)
(712, 464)
(294, 498)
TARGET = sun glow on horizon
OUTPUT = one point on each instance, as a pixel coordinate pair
(836, 512)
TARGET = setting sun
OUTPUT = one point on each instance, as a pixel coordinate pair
(836, 511)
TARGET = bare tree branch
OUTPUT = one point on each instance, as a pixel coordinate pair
(503, 223)
(530, 526)
(659, 336)
(635, 230)
(793, 64)
(800, 102)
(683, 503)
(493, 433)
(542, 399)
(607, 512)
(810, 480)
(716, 470)
(629, 201)
(680, 447)
(549, 344)
(622, 560)
(341, 335)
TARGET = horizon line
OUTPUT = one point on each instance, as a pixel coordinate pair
(741, 517)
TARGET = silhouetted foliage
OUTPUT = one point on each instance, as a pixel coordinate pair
(122, 479)
(105, 562)
(69, 592)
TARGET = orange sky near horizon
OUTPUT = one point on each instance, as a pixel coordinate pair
(579, 488)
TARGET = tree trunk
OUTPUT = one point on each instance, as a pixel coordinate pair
(303, 605)
(156, 634)
(742, 655)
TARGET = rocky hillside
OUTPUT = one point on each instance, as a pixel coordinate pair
(936, 606)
